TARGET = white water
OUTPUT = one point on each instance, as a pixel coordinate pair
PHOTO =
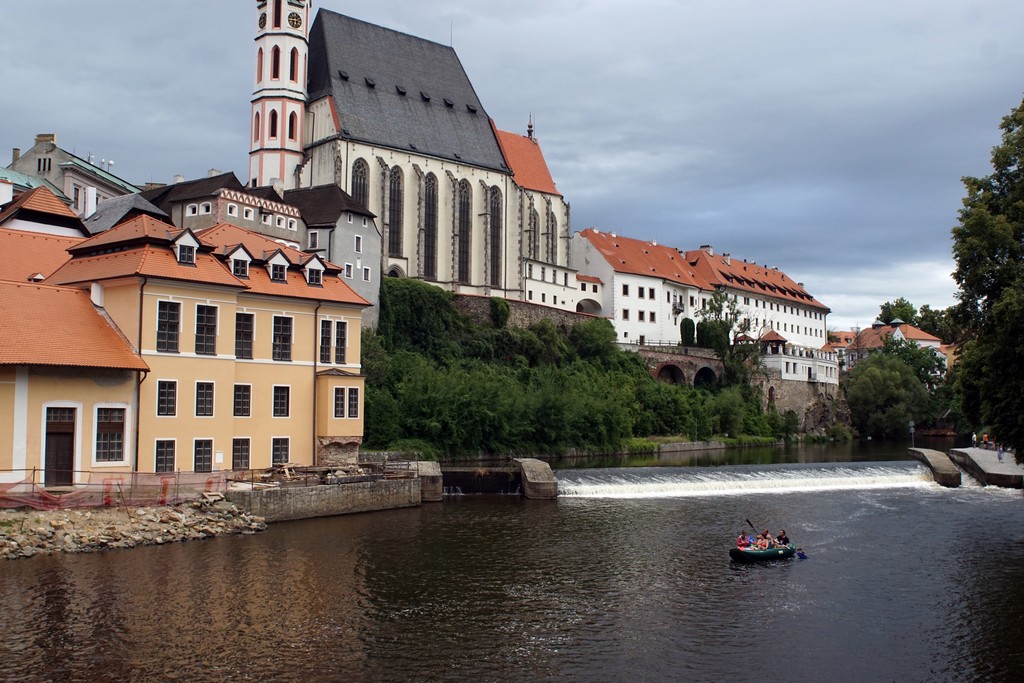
(677, 482)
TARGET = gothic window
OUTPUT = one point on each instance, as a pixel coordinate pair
(532, 234)
(256, 127)
(259, 65)
(293, 65)
(275, 63)
(465, 223)
(360, 182)
(277, 13)
(495, 235)
(395, 203)
(430, 229)
(552, 241)
(292, 126)
(273, 124)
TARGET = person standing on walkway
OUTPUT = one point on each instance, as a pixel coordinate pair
(984, 440)
(974, 439)
(999, 451)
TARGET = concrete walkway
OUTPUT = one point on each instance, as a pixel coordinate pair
(983, 464)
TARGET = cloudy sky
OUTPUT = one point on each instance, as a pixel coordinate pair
(827, 138)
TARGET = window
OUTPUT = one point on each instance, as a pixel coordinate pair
(192, 210)
(205, 208)
(243, 400)
(248, 214)
(275, 64)
(430, 228)
(266, 218)
(293, 66)
(279, 451)
(203, 455)
(465, 223)
(339, 402)
(651, 318)
(583, 286)
(640, 316)
(314, 239)
(281, 396)
(395, 206)
(316, 276)
(366, 274)
(348, 270)
(110, 434)
(325, 341)
(272, 133)
(277, 14)
(532, 231)
(280, 222)
(206, 330)
(282, 346)
(358, 244)
(360, 182)
(277, 272)
(255, 132)
(204, 399)
(186, 254)
(495, 230)
(625, 290)
(650, 292)
(232, 209)
(168, 317)
(625, 314)
(240, 268)
(240, 454)
(164, 456)
(640, 292)
(293, 129)
(259, 65)
(293, 224)
(166, 397)
(340, 341)
(353, 402)
(243, 335)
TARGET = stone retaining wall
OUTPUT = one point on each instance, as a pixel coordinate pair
(521, 313)
(303, 502)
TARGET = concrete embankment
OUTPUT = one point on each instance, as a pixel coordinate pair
(24, 533)
(985, 466)
(943, 470)
(286, 503)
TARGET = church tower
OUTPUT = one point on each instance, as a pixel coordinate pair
(279, 98)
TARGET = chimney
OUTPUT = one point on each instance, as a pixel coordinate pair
(708, 249)
(213, 172)
(46, 137)
(90, 202)
(728, 259)
(179, 179)
(15, 154)
(6, 191)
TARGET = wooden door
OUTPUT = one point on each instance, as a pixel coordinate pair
(60, 447)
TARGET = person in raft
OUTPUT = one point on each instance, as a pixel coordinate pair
(742, 542)
(782, 539)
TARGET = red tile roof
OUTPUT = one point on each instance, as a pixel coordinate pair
(148, 260)
(31, 253)
(44, 203)
(627, 255)
(523, 156)
(874, 337)
(139, 229)
(772, 335)
(74, 331)
(588, 278)
(723, 271)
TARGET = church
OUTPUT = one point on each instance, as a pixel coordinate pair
(395, 122)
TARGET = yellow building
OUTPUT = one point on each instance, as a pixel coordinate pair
(252, 347)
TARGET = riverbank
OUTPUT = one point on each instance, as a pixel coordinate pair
(26, 533)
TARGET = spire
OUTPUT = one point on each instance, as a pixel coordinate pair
(529, 127)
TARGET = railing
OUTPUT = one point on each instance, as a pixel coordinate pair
(29, 488)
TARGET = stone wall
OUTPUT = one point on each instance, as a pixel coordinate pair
(303, 502)
(521, 313)
(817, 404)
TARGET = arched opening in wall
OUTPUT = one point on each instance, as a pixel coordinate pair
(361, 182)
(531, 239)
(495, 237)
(430, 228)
(256, 127)
(588, 306)
(277, 13)
(465, 224)
(395, 271)
(293, 65)
(259, 65)
(293, 126)
(771, 397)
(705, 378)
(552, 238)
(275, 62)
(272, 133)
(671, 374)
(396, 202)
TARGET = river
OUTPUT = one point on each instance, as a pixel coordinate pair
(626, 577)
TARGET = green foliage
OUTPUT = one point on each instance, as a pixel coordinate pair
(900, 308)
(988, 248)
(942, 323)
(928, 366)
(688, 331)
(419, 317)
(499, 311)
(719, 323)
(884, 395)
(838, 432)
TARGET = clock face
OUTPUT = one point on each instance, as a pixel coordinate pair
(294, 20)
(263, 20)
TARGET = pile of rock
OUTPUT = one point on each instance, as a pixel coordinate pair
(27, 533)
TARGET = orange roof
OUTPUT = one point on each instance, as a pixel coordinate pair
(75, 333)
(772, 335)
(843, 338)
(142, 227)
(723, 271)
(875, 336)
(38, 199)
(149, 260)
(523, 156)
(588, 278)
(36, 252)
(627, 255)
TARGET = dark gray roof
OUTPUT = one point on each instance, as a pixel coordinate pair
(324, 204)
(112, 211)
(164, 197)
(399, 91)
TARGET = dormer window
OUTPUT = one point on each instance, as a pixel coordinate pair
(277, 272)
(240, 267)
(315, 277)
(186, 254)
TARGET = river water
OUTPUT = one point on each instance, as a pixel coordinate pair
(625, 577)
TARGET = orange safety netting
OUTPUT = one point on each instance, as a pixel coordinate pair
(109, 490)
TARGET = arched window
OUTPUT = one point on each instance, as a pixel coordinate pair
(272, 133)
(293, 65)
(552, 238)
(361, 182)
(531, 244)
(430, 228)
(494, 209)
(293, 127)
(465, 223)
(275, 62)
(259, 65)
(256, 127)
(277, 13)
(395, 204)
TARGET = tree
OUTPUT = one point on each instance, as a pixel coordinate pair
(884, 395)
(900, 308)
(942, 323)
(928, 366)
(718, 322)
(988, 248)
